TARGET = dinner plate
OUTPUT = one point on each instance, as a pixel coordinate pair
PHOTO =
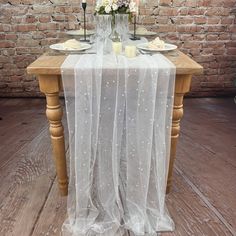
(168, 47)
(146, 33)
(60, 47)
(80, 32)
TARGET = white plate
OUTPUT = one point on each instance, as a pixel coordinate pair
(168, 47)
(60, 47)
(146, 33)
(80, 32)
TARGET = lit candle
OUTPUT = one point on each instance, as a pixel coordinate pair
(130, 51)
(117, 47)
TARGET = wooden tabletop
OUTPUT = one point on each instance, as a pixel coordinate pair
(51, 65)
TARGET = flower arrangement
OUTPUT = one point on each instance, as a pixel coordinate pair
(112, 7)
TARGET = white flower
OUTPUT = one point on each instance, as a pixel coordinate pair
(97, 8)
(108, 9)
(132, 7)
(114, 7)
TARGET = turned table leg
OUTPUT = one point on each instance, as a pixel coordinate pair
(50, 86)
(182, 86)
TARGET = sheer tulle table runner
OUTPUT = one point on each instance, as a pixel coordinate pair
(119, 114)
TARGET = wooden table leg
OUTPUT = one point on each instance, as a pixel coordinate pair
(182, 86)
(50, 86)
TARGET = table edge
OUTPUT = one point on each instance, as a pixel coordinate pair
(45, 70)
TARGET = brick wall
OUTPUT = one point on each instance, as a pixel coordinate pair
(204, 29)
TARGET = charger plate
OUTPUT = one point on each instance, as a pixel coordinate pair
(168, 47)
(60, 47)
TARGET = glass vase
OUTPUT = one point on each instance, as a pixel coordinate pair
(103, 29)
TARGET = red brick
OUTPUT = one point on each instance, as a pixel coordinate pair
(44, 19)
(5, 27)
(2, 36)
(213, 20)
(212, 37)
(49, 26)
(224, 36)
(179, 3)
(192, 3)
(199, 37)
(166, 28)
(165, 2)
(9, 51)
(232, 29)
(30, 19)
(231, 51)
(186, 37)
(168, 11)
(44, 9)
(231, 44)
(229, 3)
(25, 28)
(162, 19)
(200, 20)
(215, 28)
(227, 20)
(59, 17)
(204, 3)
(217, 11)
(183, 11)
(192, 44)
(11, 36)
(63, 9)
(7, 44)
(142, 10)
(215, 84)
(27, 43)
(145, 21)
(183, 20)
(196, 11)
(189, 28)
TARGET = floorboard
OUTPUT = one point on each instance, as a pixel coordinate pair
(191, 215)
(52, 215)
(25, 183)
(20, 121)
(207, 153)
(202, 201)
(213, 125)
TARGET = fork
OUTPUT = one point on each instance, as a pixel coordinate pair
(146, 52)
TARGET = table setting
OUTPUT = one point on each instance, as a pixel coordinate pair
(112, 32)
(119, 90)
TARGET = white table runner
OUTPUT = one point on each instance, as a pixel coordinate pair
(119, 113)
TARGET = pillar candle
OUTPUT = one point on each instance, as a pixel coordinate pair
(130, 51)
(117, 47)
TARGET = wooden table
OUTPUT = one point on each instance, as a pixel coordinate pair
(47, 69)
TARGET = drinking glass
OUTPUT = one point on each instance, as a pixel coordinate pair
(122, 25)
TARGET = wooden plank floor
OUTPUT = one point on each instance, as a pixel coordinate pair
(202, 201)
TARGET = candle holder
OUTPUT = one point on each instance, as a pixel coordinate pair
(84, 5)
(134, 37)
